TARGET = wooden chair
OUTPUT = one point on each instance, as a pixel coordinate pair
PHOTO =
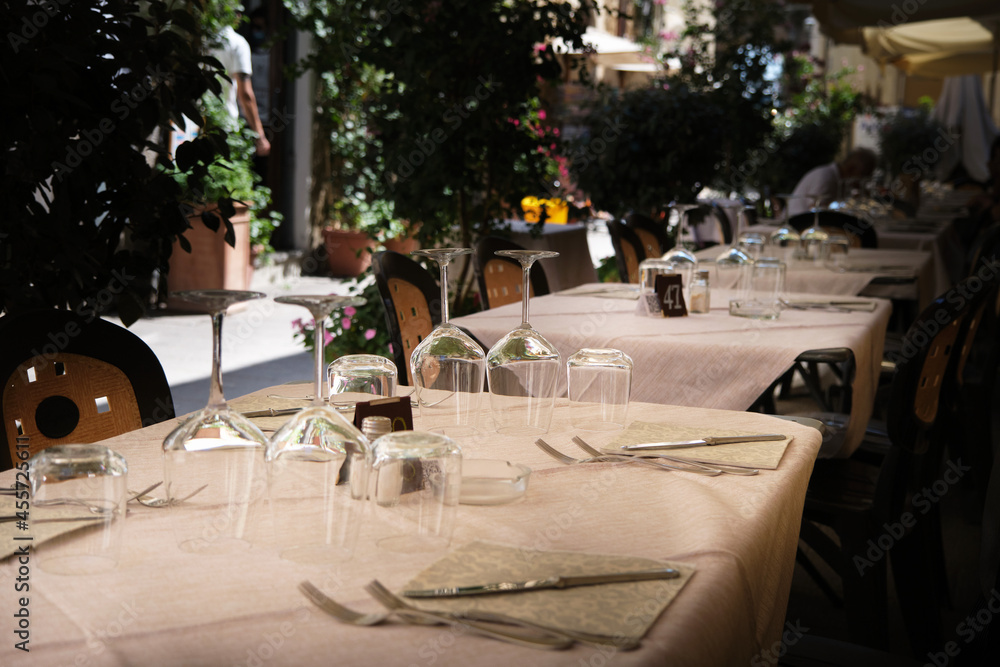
(653, 235)
(706, 222)
(860, 232)
(71, 379)
(858, 499)
(412, 301)
(629, 251)
(500, 278)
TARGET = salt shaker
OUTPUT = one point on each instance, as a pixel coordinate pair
(700, 295)
(374, 428)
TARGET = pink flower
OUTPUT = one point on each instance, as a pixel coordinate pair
(327, 337)
(390, 348)
(346, 322)
(516, 122)
(297, 324)
(369, 334)
(350, 311)
(668, 35)
(541, 114)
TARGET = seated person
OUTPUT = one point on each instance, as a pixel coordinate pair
(984, 209)
(826, 180)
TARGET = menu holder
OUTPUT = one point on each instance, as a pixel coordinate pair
(398, 409)
(670, 292)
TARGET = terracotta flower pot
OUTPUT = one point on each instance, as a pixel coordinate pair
(212, 263)
(348, 252)
(402, 245)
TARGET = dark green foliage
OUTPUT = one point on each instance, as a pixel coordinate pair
(86, 216)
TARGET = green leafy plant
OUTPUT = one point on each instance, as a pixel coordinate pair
(907, 142)
(230, 176)
(89, 209)
(352, 330)
(646, 147)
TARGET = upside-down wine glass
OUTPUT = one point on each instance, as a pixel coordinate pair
(448, 366)
(785, 239)
(812, 238)
(213, 463)
(683, 259)
(733, 257)
(523, 367)
(318, 464)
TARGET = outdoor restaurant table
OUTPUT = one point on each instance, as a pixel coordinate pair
(713, 360)
(914, 280)
(573, 266)
(166, 607)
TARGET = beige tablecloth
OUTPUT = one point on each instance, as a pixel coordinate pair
(164, 607)
(713, 360)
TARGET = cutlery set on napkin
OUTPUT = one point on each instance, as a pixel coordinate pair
(551, 600)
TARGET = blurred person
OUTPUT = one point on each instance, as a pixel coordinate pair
(984, 209)
(827, 181)
(235, 55)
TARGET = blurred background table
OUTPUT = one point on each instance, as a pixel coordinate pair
(713, 360)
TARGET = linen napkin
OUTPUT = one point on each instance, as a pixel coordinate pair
(764, 455)
(618, 611)
(40, 526)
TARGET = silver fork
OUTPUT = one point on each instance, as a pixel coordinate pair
(537, 638)
(342, 613)
(729, 470)
(698, 469)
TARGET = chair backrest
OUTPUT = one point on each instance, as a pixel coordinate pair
(707, 223)
(653, 235)
(75, 379)
(500, 278)
(861, 232)
(629, 251)
(412, 301)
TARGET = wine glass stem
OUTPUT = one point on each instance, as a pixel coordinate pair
(215, 396)
(319, 347)
(444, 290)
(739, 228)
(525, 287)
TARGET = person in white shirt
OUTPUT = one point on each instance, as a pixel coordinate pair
(826, 181)
(234, 54)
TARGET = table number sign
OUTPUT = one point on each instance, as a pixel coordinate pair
(398, 409)
(670, 293)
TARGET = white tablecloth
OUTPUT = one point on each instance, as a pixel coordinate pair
(164, 607)
(713, 360)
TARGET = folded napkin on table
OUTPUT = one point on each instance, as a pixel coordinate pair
(764, 455)
(622, 610)
(608, 291)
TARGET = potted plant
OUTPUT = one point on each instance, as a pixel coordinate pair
(90, 208)
(210, 255)
(910, 144)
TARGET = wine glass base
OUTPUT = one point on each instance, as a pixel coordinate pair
(598, 426)
(406, 544)
(316, 554)
(456, 430)
(522, 429)
(221, 546)
(78, 564)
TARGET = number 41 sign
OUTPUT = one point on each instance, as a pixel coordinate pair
(669, 291)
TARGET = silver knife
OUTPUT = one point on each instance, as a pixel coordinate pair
(271, 412)
(549, 582)
(701, 442)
